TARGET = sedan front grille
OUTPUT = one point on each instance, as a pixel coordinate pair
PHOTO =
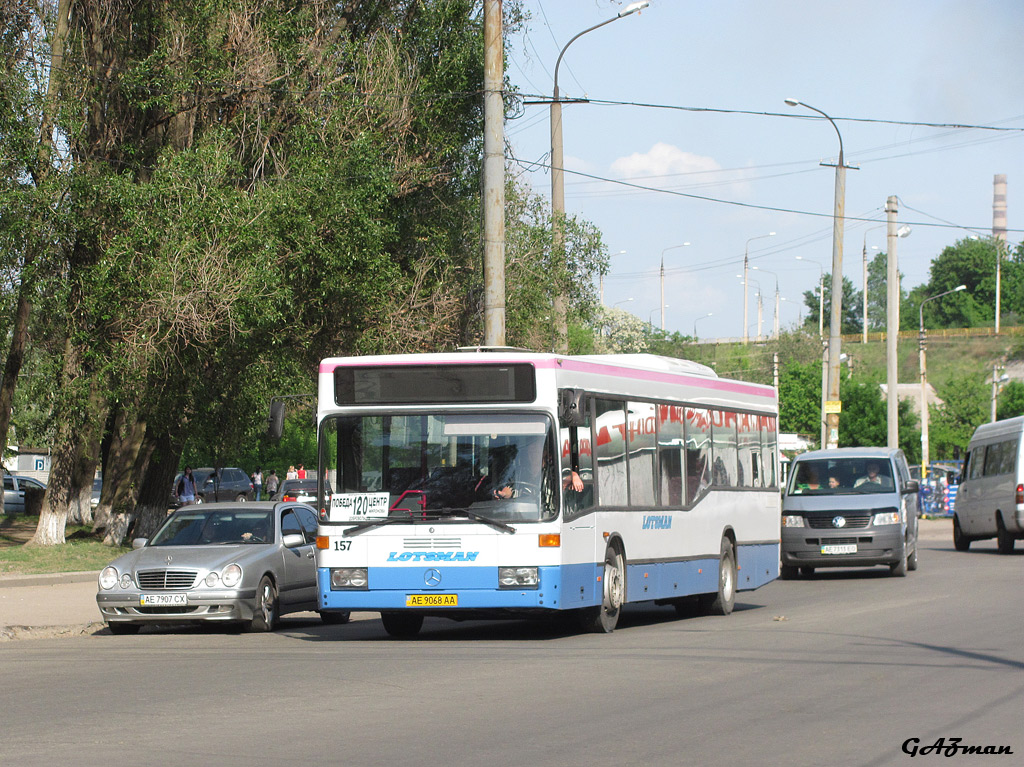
(166, 579)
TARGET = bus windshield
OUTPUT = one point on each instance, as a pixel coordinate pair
(428, 465)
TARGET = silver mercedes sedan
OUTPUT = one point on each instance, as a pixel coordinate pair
(238, 563)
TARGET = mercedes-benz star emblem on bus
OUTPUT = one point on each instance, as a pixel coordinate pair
(432, 577)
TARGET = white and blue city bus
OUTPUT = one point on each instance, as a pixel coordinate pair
(504, 483)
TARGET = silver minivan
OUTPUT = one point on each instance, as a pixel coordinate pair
(990, 500)
(849, 507)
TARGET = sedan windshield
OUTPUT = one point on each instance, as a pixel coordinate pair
(841, 476)
(200, 528)
(501, 466)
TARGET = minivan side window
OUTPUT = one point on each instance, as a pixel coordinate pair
(977, 462)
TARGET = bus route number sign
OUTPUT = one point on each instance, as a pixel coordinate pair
(349, 506)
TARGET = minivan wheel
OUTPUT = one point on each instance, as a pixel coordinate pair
(807, 571)
(899, 569)
(240, 498)
(788, 572)
(960, 541)
(912, 559)
(1004, 541)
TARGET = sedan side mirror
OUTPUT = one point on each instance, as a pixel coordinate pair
(293, 540)
(138, 543)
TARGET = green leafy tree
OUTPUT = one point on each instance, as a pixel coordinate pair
(852, 307)
(878, 295)
(864, 420)
(1010, 402)
(800, 398)
(966, 405)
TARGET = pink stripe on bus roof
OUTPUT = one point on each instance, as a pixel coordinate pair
(567, 363)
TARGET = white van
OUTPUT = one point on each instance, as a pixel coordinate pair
(990, 501)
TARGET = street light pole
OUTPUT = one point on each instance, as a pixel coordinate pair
(673, 247)
(746, 267)
(695, 337)
(601, 280)
(821, 294)
(559, 307)
(835, 321)
(924, 377)
(777, 297)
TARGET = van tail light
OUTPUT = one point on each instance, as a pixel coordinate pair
(291, 498)
(1020, 494)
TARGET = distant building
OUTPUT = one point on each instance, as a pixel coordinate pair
(28, 461)
(911, 392)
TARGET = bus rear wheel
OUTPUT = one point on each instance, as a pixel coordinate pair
(722, 602)
(402, 625)
(602, 618)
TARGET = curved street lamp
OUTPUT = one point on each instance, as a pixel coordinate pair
(695, 337)
(601, 278)
(835, 321)
(558, 183)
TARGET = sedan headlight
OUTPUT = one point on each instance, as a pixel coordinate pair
(231, 576)
(349, 578)
(108, 577)
(793, 521)
(518, 577)
(126, 581)
(211, 580)
(887, 518)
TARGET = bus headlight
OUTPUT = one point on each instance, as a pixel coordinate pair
(518, 577)
(793, 521)
(887, 518)
(349, 578)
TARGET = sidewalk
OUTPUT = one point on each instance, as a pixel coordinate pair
(48, 605)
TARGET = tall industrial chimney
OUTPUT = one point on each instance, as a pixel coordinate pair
(999, 207)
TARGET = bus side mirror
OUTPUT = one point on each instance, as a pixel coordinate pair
(275, 428)
(571, 407)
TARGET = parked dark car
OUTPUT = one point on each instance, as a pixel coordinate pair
(303, 490)
(227, 484)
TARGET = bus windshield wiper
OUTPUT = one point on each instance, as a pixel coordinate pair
(369, 524)
(477, 518)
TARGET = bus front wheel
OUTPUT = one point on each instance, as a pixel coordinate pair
(602, 618)
(402, 625)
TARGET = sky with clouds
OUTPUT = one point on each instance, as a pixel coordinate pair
(686, 138)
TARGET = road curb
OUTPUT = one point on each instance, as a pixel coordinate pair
(48, 579)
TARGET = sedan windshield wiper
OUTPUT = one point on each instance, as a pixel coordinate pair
(477, 518)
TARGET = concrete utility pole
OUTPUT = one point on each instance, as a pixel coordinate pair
(746, 271)
(494, 177)
(835, 324)
(559, 307)
(892, 325)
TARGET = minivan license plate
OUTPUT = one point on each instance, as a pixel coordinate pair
(840, 548)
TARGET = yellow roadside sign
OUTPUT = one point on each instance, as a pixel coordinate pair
(833, 406)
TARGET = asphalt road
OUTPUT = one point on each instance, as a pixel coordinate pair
(842, 669)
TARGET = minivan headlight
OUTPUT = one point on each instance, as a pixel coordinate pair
(886, 518)
(793, 521)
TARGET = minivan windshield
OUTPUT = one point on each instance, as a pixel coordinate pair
(841, 476)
